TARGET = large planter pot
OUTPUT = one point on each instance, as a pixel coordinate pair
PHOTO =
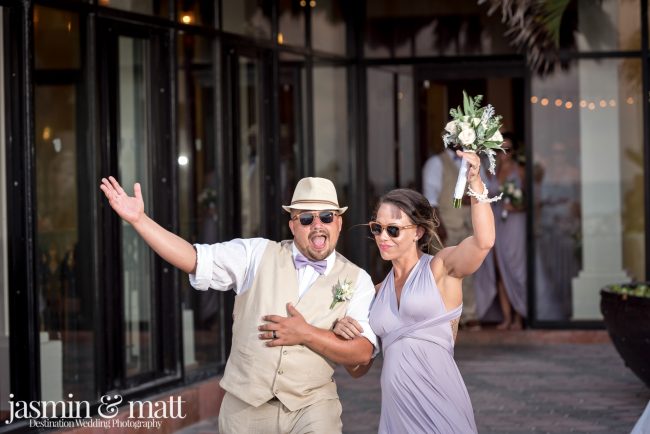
(627, 318)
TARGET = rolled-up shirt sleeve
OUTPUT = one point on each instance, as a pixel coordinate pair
(359, 307)
(228, 265)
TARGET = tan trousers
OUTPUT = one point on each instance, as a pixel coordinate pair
(237, 417)
(454, 237)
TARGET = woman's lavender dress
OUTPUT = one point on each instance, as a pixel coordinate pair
(422, 390)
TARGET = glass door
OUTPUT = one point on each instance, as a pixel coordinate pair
(292, 132)
(504, 272)
(64, 226)
(133, 153)
(248, 139)
(135, 130)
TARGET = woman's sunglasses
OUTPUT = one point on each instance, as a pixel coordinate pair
(307, 218)
(392, 230)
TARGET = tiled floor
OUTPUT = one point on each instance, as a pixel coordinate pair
(520, 382)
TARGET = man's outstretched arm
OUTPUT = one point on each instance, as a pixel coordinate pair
(168, 245)
(294, 330)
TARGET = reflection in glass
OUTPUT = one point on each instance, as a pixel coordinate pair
(406, 128)
(608, 25)
(291, 100)
(588, 176)
(433, 29)
(5, 377)
(247, 17)
(381, 132)
(150, 7)
(328, 20)
(250, 146)
(65, 308)
(331, 146)
(133, 167)
(390, 131)
(198, 194)
(291, 22)
(56, 34)
(381, 142)
(196, 12)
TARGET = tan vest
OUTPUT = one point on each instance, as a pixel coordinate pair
(296, 375)
(452, 218)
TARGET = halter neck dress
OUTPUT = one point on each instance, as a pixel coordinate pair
(422, 390)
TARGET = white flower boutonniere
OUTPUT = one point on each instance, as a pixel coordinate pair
(342, 292)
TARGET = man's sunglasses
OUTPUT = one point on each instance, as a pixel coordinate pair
(307, 218)
(392, 230)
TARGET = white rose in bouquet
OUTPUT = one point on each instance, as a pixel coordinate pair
(451, 127)
(467, 136)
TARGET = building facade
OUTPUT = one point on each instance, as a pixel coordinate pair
(218, 107)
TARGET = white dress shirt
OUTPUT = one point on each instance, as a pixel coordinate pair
(233, 265)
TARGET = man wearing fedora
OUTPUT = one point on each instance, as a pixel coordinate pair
(278, 377)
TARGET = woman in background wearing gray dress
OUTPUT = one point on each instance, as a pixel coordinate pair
(502, 277)
(416, 311)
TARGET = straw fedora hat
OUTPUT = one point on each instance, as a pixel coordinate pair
(315, 194)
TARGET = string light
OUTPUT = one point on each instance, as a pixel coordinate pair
(186, 19)
(280, 38)
(585, 104)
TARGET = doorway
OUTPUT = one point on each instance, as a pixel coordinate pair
(438, 90)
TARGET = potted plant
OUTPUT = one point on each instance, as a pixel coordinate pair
(626, 310)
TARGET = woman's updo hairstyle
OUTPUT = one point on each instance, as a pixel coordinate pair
(418, 209)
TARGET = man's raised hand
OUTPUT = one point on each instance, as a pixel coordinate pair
(129, 208)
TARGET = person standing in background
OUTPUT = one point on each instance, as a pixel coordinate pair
(439, 176)
(501, 279)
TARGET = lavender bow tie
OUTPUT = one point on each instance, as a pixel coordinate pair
(302, 262)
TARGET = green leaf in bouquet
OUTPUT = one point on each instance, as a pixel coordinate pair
(490, 132)
(477, 101)
(467, 106)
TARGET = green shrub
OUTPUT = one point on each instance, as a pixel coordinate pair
(634, 289)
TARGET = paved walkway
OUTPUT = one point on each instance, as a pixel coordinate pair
(520, 382)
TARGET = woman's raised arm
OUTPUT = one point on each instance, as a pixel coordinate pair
(465, 258)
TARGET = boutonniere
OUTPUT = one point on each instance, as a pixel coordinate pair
(342, 292)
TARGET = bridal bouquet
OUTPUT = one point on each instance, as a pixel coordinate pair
(474, 129)
(511, 195)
